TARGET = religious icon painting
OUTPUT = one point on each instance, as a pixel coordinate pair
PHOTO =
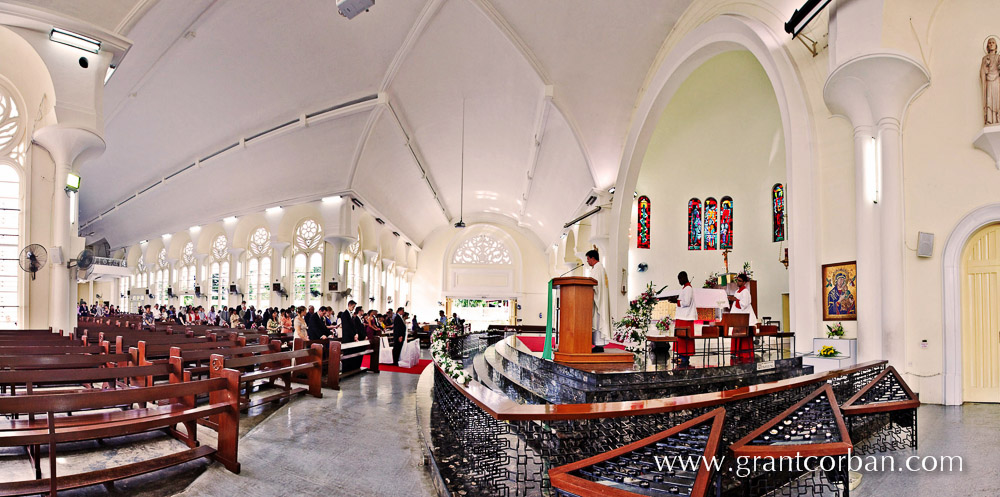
(694, 224)
(840, 291)
(642, 229)
(711, 224)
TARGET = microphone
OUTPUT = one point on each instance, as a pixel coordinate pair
(571, 270)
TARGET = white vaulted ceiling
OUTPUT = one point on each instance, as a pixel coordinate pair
(204, 74)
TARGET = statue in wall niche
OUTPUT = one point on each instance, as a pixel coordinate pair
(989, 76)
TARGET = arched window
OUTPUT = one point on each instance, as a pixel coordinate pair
(778, 212)
(694, 224)
(307, 272)
(711, 224)
(726, 224)
(189, 275)
(220, 272)
(162, 277)
(643, 228)
(10, 241)
(481, 249)
(258, 275)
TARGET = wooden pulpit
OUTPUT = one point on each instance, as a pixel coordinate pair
(576, 319)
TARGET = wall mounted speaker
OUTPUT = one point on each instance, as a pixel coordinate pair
(332, 286)
(925, 244)
(276, 287)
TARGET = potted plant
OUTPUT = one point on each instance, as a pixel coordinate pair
(835, 331)
(632, 328)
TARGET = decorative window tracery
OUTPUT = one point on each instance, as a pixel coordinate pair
(188, 256)
(260, 242)
(162, 258)
(482, 249)
(308, 236)
(11, 143)
(694, 224)
(643, 228)
(220, 248)
(711, 224)
(778, 212)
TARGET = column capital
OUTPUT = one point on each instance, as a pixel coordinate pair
(236, 251)
(66, 144)
(280, 246)
(872, 87)
(201, 258)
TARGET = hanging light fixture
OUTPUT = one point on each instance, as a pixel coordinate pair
(461, 198)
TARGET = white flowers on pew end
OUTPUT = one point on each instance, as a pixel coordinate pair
(439, 352)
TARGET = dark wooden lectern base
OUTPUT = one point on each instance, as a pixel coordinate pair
(602, 358)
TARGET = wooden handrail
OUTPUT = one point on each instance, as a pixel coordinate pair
(502, 408)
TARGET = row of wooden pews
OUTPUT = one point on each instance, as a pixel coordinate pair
(57, 388)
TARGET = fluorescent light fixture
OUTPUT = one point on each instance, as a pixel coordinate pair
(144, 241)
(272, 210)
(230, 219)
(75, 40)
(333, 198)
(166, 235)
(72, 182)
(107, 75)
(873, 169)
(194, 229)
(804, 15)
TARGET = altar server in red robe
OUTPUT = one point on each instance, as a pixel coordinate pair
(685, 317)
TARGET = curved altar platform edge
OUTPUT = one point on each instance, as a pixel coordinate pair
(504, 409)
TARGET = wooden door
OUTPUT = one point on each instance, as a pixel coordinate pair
(981, 316)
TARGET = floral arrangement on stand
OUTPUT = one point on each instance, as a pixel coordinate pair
(631, 329)
(835, 331)
(747, 271)
(828, 351)
(664, 324)
(440, 340)
(712, 281)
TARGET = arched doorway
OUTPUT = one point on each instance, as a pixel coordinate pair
(981, 316)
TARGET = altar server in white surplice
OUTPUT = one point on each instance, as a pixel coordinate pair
(602, 302)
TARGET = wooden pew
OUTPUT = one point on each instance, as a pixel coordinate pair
(52, 430)
(335, 353)
(195, 360)
(275, 365)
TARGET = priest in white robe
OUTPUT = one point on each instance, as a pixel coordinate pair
(602, 302)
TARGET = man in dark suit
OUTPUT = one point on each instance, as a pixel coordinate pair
(246, 315)
(398, 335)
(346, 318)
(315, 328)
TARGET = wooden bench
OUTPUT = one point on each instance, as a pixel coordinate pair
(51, 430)
(335, 353)
(275, 365)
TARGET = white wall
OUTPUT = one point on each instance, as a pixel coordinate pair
(720, 135)
(427, 282)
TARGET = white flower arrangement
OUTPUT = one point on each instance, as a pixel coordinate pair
(439, 352)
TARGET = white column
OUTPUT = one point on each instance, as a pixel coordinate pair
(66, 145)
(873, 91)
(893, 241)
(278, 251)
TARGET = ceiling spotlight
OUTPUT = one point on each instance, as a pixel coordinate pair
(635, 194)
(408, 244)
(591, 200)
(395, 233)
(357, 202)
(611, 190)
(379, 220)
(75, 40)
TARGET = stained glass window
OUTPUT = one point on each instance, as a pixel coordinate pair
(778, 212)
(643, 229)
(694, 224)
(260, 242)
(711, 224)
(726, 224)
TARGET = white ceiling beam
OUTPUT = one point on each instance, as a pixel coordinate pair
(541, 120)
(424, 173)
(366, 134)
(426, 14)
(518, 43)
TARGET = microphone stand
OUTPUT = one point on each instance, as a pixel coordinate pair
(570, 271)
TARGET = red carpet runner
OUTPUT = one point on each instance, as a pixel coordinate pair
(419, 368)
(537, 344)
